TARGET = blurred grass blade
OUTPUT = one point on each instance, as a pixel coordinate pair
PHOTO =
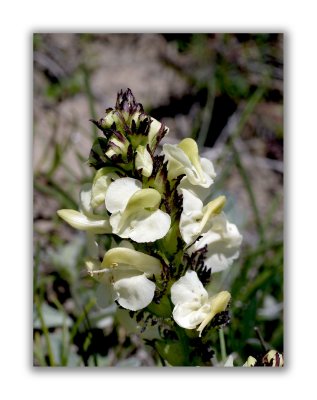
(38, 350)
(45, 332)
(249, 190)
(207, 113)
(51, 188)
(90, 99)
(81, 318)
(56, 162)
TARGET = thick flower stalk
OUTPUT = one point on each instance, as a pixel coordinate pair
(167, 241)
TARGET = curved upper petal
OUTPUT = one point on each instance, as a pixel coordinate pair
(119, 193)
(134, 290)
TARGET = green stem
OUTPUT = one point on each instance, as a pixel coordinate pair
(222, 345)
(183, 339)
(260, 337)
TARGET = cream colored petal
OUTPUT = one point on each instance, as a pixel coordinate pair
(93, 224)
(210, 211)
(202, 175)
(251, 361)
(218, 303)
(223, 242)
(194, 172)
(191, 203)
(117, 227)
(126, 258)
(143, 161)
(189, 315)
(143, 199)
(85, 199)
(196, 219)
(190, 218)
(174, 152)
(177, 160)
(119, 193)
(101, 182)
(134, 291)
(184, 159)
(154, 130)
(141, 220)
(208, 168)
(149, 226)
(197, 190)
(189, 289)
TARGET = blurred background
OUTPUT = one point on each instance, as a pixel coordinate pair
(225, 91)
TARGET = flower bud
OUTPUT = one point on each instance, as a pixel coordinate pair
(143, 161)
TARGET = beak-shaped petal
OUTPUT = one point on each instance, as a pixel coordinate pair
(121, 258)
(94, 224)
(218, 303)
